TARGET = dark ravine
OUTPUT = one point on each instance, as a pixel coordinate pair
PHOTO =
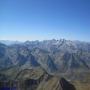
(66, 85)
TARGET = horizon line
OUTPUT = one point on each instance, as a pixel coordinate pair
(42, 40)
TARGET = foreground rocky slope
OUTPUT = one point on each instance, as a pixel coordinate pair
(38, 79)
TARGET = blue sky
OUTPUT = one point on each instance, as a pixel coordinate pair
(44, 19)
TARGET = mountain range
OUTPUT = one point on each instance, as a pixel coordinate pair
(53, 62)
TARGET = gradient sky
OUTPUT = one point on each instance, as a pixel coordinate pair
(44, 19)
